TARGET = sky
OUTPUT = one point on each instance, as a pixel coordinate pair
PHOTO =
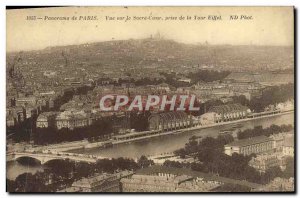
(269, 26)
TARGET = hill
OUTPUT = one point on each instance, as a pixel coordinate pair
(162, 53)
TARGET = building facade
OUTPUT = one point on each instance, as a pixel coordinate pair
(257, 145)
(71, 120)
(264, 162)
(99, 183)
(46, 119)
(223, 113)
(167, 121)
(164, 182)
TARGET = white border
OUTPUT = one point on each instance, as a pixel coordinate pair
(5, 3)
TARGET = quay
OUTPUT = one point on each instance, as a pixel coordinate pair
(136, 136)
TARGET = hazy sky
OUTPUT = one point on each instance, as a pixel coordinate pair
(269, 26)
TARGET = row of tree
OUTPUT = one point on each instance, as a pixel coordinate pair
(200, 75)
(271, 96)
(208, 75)
(52, 135)
(259, 130)
(97, 130)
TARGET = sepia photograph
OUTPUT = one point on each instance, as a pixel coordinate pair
(150, 99)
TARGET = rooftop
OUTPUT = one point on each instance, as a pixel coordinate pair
(155, 170)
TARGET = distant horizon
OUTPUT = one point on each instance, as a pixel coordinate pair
(167, 39)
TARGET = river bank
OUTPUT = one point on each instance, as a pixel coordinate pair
(138, 136)
(168, 143)
(152, 134)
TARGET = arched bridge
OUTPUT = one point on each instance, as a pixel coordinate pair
(46, 157)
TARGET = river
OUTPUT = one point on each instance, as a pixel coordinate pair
(158, 145)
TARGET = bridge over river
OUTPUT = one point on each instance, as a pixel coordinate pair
(46, 157)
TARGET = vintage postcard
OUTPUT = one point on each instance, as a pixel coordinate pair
(150, 99)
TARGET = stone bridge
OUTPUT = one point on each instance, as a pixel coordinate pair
(46, 157)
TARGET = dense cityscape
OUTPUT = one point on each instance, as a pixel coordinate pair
(241, 139)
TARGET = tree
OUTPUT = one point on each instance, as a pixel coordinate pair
(174, 164)
(290, 166)
(84, 169)
(258, 130)
(208, 75)
(272, 173)
(192, 146)
(225, 139)
(242, 100)
(181, 153)
(107, 165)
(275, 129)
(272, 95)
(28, 182)
(143, 162)
(62, 168)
